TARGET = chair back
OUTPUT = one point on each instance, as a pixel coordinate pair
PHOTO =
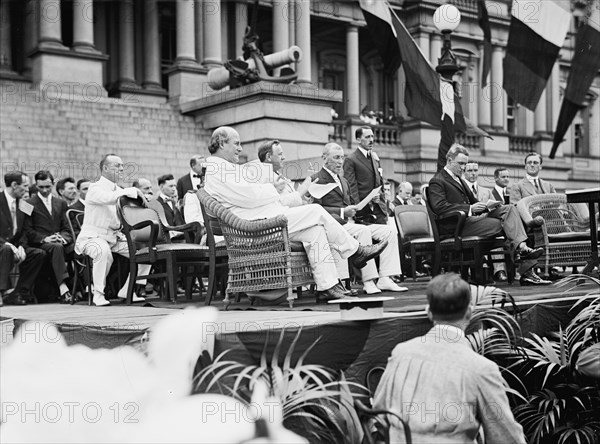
(432, 217)
(75, 220)
(559, 215)
(412, 222)
(132, 212)
(208, 205)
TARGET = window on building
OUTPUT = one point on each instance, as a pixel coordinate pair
(579, 139)
(511, 114)
(333, 79)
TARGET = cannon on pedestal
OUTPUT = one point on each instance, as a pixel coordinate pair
(255, 66)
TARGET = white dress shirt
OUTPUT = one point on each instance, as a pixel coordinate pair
(12, 206)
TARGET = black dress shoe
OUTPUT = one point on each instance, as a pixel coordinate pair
(14, 299)
(367, 252)
(530, 253)
(335, 292)
(530, 278)
(66, 298)
(500, 276)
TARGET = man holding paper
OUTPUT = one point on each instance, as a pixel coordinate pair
(340, 204)
(248, 198)
(448, 192)
(363, 172)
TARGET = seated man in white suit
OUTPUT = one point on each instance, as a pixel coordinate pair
(228, 182)
(439, 385)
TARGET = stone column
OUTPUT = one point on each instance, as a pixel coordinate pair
(83, 26)
(291, 21)
(423, 42)
(151, 46)
(199, 30)
(352, 72)
(303, 68)
(540, 116)
(281, 37)
(126, 45)
(186, 42)
(484, 108)
(435, 48)
(5, 41)
(497, 92)
(212, 33)
(555, 98)
(241, 22)
(50, 24)
(30, 38)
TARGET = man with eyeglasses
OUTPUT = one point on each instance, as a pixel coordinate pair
(448, 193)
(531, 184)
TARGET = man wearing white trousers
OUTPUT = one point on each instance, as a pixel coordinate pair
(100, 233)
(249, 199)
(339, 203)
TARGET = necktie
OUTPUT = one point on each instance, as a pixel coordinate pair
(369, 155)
(48, 204)
(537, 185)
(474, 190)
(13, 213)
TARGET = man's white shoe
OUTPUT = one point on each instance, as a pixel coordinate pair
(370, 287)
(135, 298)
(100, 301)
(386, 284)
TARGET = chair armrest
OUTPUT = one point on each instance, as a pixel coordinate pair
(461, 217)
(254, 226)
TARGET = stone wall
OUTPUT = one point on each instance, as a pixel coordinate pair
(68, 134)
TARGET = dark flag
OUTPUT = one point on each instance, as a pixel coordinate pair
(537, 31)
(379, 22)
(584, 66)
(484, 24)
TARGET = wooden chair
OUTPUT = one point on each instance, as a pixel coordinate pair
(149, 243)
(261, 256)
(416, 235)
(82, 264)
(458, 251)
(565, 233)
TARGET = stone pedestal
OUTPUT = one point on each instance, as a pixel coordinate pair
(298, 116)
(187, 82)
(69, 72)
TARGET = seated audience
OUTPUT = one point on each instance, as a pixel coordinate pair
(448, 192)
(14, 250)
(482, 194)
(439, 385)
(309, 224)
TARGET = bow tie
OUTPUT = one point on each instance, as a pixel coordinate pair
(198, 176)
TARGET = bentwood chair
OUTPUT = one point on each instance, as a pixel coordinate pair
(82, 264)
(149, 243)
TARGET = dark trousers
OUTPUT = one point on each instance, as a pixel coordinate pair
(28, 269)
(55, 254)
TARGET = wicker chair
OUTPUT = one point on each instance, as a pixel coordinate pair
(82, 264)
(565, 234)
(261, 256)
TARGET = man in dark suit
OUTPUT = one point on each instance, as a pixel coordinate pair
(13, 242)
(531, 184)
(500, 192)
(65, 188)
(404, 194)
(193, 179)
(49, 230)
(342, 206)
(362, 170)
(448, 192)
(168, 199)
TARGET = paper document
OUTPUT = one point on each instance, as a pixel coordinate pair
(492, 204)
(318, 190)
(363, 203)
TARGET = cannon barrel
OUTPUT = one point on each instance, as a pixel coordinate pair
(219, 77)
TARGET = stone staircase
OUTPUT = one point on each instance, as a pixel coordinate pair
(68, 134)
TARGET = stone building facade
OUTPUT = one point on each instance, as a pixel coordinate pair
(80, 78)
